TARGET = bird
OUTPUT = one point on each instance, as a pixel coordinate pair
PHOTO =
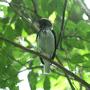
(46, 42)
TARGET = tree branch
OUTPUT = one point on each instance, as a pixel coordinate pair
(53, 62)
(84, 7)
(35, 8)
(18, 12)
(62, 27)
(66, 74)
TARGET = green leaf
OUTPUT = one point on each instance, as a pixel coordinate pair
(83, 28)
(70, 26)
(10, 33)
(47, 83)
(87, 37)
(75, 42)
(76, 59)
(19, 27)
(32, 77)
(87, 56)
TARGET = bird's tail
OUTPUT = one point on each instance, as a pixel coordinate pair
(46, 67)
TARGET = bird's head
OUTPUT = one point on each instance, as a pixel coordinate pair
(44, 24)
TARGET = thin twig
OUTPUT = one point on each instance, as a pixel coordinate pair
(62, 27)
(66, 74)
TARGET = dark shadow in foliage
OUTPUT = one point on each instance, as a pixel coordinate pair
(32, 77)
(46, 84)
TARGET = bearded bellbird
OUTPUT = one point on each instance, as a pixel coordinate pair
(46, 42)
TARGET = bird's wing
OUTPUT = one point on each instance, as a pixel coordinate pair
(55, 44)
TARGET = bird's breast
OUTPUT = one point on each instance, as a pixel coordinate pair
(46, 41)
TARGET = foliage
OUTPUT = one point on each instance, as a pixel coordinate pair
(16, 27)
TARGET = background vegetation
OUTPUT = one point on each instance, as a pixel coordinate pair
(71, 67)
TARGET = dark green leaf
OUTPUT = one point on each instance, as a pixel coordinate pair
(76, 59)
(47, 83)
(32, 77)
